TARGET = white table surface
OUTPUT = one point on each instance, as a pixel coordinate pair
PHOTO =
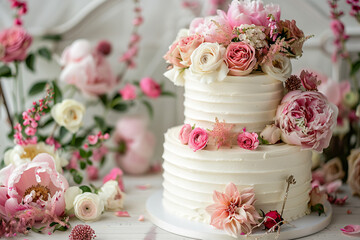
(112, 227)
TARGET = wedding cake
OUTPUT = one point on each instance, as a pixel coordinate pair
(249, 124)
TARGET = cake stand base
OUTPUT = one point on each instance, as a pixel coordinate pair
(304, 226)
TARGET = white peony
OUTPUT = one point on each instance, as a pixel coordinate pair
(70, 195)
(24, 154)
(112, 196)
(176, 75)
(88, 206)
(207, 63)
(69, 114)
(279, 67)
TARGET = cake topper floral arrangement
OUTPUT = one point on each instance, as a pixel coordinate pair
(250, 36)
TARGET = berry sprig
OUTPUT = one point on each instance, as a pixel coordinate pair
(21, 10)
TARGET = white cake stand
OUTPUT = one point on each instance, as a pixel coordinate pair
(304, 226)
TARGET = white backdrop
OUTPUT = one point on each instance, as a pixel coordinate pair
(163, 18)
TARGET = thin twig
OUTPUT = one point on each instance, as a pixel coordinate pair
(6, 106)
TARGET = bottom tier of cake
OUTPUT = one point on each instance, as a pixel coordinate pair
(190, 178)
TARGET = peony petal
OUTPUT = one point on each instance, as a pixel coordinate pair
(333, 186)
(351, 229)
(122, 214)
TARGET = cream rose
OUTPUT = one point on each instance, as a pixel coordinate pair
(176, 75)
(271, 133)
(24, 154)
(70, 195)
(69, 114)
(207, 63)
(279, 67)
(88, 206)
(112, 196)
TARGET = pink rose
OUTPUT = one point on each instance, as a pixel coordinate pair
(271, 133)
(213, 28)
(198, 139)
(15, 41)
(240, 58)
(128, 92)
(309, 80)
(87, 69)
(115, 174)
(248, 140)
(306, 119)
(151, 88)
(92, 172)
(354, 171)
(136, 145)
(185, 133)
(180, 51)
(251, 12)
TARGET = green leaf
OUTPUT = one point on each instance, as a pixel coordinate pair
(56, 37)
(5, 71)
(77, 177)
(79, 141)
(102, 162)
(263, 141)
(85, 188)
(148, 107)
(82, 165)
(57, 93)
(120, 107)
(37, 88)
(83, 153)
(37, 230)
(103, 99)
(89, 154)
(60, 228)
(45, 53)
(63, 131)
(100, 122)
(355, 68)
(89, 162)
(168, 93)
(30, 62)
(52, 224)
(319, 208)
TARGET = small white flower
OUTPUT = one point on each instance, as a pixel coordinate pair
(252, 35)
(70, 195)
(176, 75)
(24, 154)
(88, 206)
(112, 196)
(278, 67)
(69, 114)
(207, 63)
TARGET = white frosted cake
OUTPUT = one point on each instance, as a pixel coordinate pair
(190, 178)
(242, 159)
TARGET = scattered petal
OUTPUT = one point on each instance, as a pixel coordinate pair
(351, 229)
(122, 214)
(141, 218)
(349, 211)
(143, 187)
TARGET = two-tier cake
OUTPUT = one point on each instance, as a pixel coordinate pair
(249, 124)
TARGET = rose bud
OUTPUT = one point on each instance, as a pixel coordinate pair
(273, 218)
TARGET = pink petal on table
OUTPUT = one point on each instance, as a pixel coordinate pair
(141, 218)
(122, 214)
(143, 187)
(333, 186)
(351, 229)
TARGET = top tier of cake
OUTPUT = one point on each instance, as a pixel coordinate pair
(246, 101)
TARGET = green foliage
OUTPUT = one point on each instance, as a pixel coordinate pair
(168, 94)
(30, 62)
(77, 177)
(319, 208)
(355, 67)
(57, 92)
(149, 108)
(38, 87)
(37, 230)
(85, 188)
(100, 123)
(5, 71)
(55, 37)
(263, 141)
(45, 53)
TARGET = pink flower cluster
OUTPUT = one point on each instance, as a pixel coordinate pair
(196, 138)
(15, 41)
(31, 117)
(147, 85)
(86, 67)
(94, 139)
(21, 9)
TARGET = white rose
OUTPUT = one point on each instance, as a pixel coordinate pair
(207, 63)
(24, 154)
(279, 67)
(2, 50)
(69, 113)
(176, 75)
(70, 195)
(112, 196)
(88, 206)
(271, 133)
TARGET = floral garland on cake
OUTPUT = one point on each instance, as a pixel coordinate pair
(250, 36)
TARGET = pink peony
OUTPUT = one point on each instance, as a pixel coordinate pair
(213, 28)
(185, 133)
(34, 185)
(180, 51)
(92, 172)
(334, 91)
(248, 140)
(306, 119)
(351, 229)
(15, 41)
(151, 88)
(251, 12)
(87, 69)
(240, 58)
(128, 92)
(234, 211)
(136, 145)
(115, 174)
(198, 139)
(309, 80)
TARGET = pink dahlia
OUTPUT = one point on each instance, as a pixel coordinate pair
(234, 211)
